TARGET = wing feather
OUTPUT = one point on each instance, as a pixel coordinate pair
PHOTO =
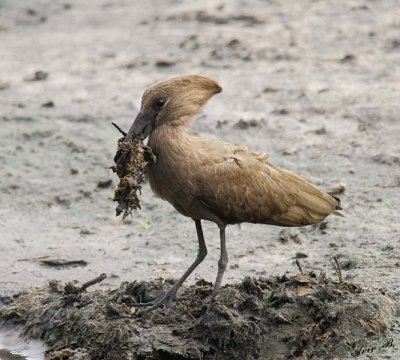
(244, 188)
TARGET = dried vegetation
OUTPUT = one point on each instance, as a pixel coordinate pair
(131, 160)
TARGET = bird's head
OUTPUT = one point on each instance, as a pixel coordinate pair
(172, 102)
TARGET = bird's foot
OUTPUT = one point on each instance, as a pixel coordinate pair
(165, 299)
(213, 299)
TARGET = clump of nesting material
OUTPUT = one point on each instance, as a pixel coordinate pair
(130, 163)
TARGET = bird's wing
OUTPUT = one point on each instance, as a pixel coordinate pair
(243, 187)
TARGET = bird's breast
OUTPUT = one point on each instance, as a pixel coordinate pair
(173, 176)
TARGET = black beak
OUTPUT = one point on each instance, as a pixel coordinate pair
(141, 127)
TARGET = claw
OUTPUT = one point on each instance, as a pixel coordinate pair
(166, 299)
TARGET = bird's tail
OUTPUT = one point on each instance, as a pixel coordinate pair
(339, 213)
(311, 206)
(338, 204)
(338, 209)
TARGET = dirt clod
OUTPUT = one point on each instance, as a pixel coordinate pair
(48, 104)
(104, 184)
(62, 262)
(290, 234)
(38, 76)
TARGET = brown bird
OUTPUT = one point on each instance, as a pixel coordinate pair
(211, 180)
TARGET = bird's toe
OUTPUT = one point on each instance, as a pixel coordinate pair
(167, 299)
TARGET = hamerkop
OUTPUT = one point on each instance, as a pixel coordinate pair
(211, 180)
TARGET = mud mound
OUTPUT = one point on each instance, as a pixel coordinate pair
(303, 316)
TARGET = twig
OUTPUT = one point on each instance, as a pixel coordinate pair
(299, 266)
(187, 310)
(95, 281)
(70, 288)
(118, 128)
(337, 268)
(280, 316)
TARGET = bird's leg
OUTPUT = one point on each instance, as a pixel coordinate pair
(223, 261)
(169, 296)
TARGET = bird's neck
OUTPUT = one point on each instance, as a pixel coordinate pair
(170, 138)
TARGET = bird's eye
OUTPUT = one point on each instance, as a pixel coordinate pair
(159, 103)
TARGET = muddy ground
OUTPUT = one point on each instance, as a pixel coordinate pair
(314, 83)
(299, 317)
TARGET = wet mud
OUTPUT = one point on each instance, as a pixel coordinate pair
(14, 347)
(304, 316)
